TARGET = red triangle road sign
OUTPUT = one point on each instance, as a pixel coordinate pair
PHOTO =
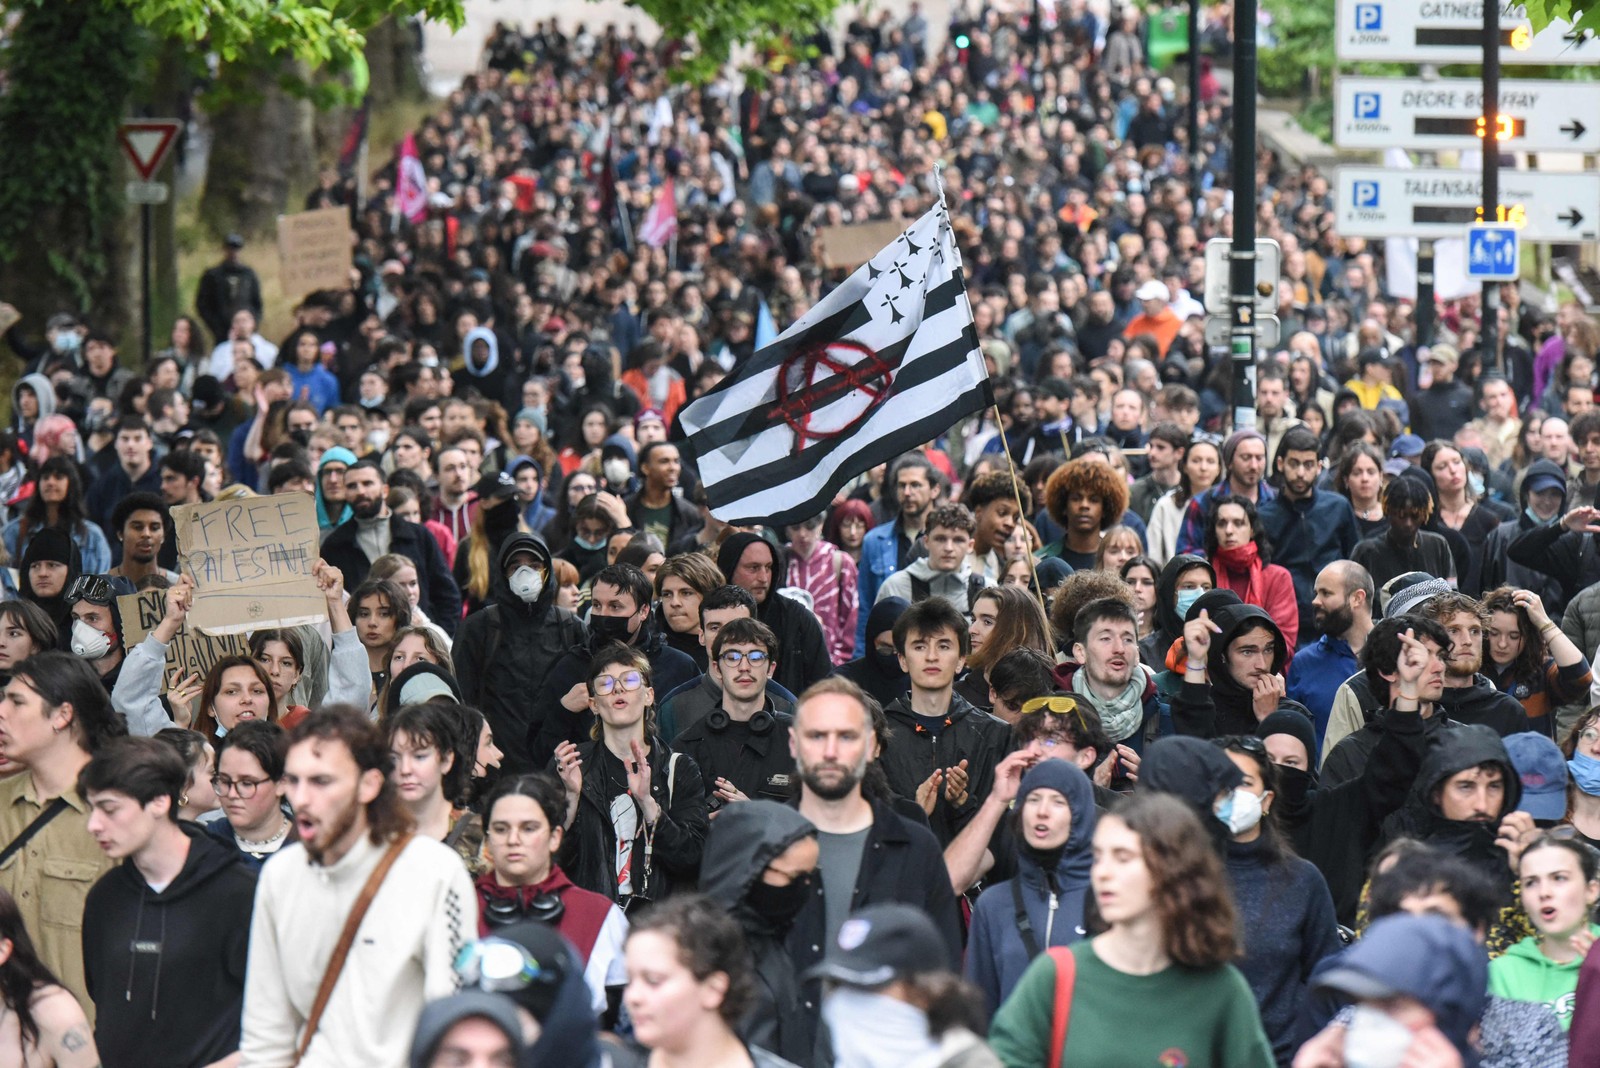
(146, 143)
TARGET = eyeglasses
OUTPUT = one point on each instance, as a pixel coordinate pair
(1245, 743)
(95, 589)
(733, 657)
(498, 966)
(1590, 735)
(627, 682)
(245, 789)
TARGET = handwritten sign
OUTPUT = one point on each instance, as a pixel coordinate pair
(192, 650)
(251, 561)
(314, 250)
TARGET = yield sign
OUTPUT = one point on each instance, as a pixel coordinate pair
(146, 143)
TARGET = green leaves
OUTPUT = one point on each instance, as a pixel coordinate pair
(1583, 14)
(713, 29)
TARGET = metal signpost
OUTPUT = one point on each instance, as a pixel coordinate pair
(146, 143)
(1494, 252)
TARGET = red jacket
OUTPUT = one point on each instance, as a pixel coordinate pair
(1274, 593)
(583, 912)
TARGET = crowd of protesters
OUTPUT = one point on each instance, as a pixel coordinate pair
(1091, 733)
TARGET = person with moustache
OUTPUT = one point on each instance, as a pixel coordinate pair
(1341, 607)
(358, 865)
(1307, 528)
(1107, 675)
(1244, 458)
(372, 531)
(869, 854)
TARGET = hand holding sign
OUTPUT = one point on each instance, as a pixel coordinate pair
(252, 562)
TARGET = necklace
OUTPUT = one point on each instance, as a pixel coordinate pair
(268, 845)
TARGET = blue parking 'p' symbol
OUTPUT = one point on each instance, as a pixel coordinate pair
(1369, 18)
(1368, 105)
(1365, 195)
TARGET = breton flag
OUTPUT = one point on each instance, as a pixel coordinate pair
(660, 226)
(887, 361)
(411, 182)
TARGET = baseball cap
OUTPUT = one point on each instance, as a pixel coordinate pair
(1152, 290)
(233, 241)
(438, 1017)
(1395, 466)
(1406, 446)
(1544, 481)
(1543, 770)
(1445, 354)
(1372, 355)
(497, 486)
(882, 943)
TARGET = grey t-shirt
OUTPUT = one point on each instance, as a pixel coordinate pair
(839, 863)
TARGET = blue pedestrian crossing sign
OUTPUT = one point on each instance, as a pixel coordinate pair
(1494, 253)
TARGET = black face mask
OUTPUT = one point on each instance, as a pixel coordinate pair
(886, 663)
(603, 630)
(779, 905)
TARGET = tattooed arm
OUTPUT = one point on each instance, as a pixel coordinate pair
(65, 1037)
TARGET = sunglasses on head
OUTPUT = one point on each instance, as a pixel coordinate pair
(1055, 705)
(95, 589)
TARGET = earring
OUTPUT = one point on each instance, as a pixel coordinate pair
(183, 800)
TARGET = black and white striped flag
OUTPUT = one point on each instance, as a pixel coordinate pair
(887, 361)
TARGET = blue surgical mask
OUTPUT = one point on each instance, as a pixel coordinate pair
(1536, 521)
(585, 543)
(1475, 483)
(1586, 773)
(1185, 601)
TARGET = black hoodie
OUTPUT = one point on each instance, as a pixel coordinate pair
(802, 648)
(1169, 625)
(166, 969)
(744, 839)
(1498, 567)
(504, 651)
(1221, 706)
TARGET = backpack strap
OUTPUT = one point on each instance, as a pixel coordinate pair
(1061, 1013)
(1030, 941)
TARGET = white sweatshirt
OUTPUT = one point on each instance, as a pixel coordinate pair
(403, 956)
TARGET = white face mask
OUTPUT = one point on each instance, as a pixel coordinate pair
(378, 438)
(87, 642)
(1240, 810)
(1375, 1039)
(526, 584)
(616, 471)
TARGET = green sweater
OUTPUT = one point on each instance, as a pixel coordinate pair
(1524, 973)
(1177, 1018)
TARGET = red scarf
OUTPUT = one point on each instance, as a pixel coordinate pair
(1246, 559)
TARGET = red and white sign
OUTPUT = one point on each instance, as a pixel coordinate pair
(146, 143)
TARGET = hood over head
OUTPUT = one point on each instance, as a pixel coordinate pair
(1190, 768)
(491, 361)
(1166, 590)
(438, 1017)
(1466, 745)
(743, 840)
(558, 998)
(336, 455)
(1543, 474)
(732, 549)
(1068, 780)
(42, 388)
(1236, 619)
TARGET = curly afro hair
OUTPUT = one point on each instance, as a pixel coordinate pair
(1094, 477)
(1079, 589)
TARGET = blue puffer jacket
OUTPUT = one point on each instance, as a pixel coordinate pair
(997, 952)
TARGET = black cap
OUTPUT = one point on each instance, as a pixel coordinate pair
(497, 486)
(233, 241)
(880, 944)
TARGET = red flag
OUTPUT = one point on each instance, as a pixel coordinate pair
(660, 226)
(411, 182)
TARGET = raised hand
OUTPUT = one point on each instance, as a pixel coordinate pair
(1269, 692)
(1412, 662)
(1197, 637)
(1582, 520)
(570, 768)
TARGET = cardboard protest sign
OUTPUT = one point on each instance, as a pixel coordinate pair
(314, 250)
(851, 246)
(251, 561)
(192, 650)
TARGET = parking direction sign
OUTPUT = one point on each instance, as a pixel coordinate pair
(1545, 206)
(1447, 113)
(1494, 253)
(1443, 31)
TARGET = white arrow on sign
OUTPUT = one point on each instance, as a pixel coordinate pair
(1551, 208)
(1444, 31)
(1535, 116)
